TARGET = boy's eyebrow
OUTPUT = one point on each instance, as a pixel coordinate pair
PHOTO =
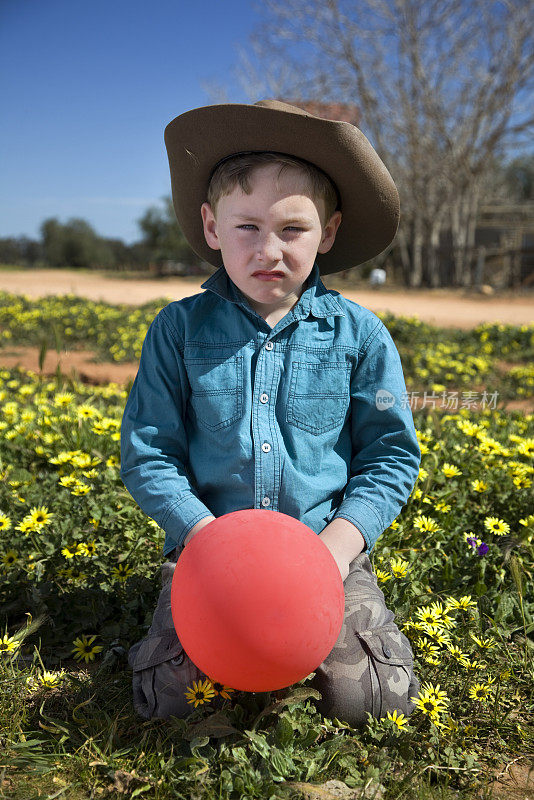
(301, 220)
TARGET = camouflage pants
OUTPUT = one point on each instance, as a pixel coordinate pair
(369, 669)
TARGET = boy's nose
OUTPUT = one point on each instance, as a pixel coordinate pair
(269, 248)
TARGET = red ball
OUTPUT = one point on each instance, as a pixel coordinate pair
(257, 600)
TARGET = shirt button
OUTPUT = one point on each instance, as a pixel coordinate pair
(266, 501)
(266, 447)
(264, 397)
(269, 345)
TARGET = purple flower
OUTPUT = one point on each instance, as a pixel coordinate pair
(471, 541)
(482, 549)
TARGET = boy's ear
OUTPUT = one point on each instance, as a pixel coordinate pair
(210, 226)
(329, 232)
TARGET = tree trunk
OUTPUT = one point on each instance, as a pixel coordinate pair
(416, 273)
(404, 255)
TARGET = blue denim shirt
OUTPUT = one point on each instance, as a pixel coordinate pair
(227, 413)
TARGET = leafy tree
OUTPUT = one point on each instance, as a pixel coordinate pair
(19, 250)
(162, 235)
(74, 244)
(519, 176)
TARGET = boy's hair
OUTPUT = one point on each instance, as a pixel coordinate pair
(237, 170)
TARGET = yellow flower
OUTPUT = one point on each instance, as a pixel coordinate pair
(80, 489)
(435, 691)
(383, 576)
(40, 515)
(464, 602)
(399, 567)
(68, 480)
(121, 572)
(450, 471)
(526, 448)
(202, 692)
(61, 458)
(87, 548)
(84, 460)
(457, 654)
(87, 412)
(8, 644)
(423, 523)
(484, 644)
(399, 719)
(63, 399)
(68, 552)
(479, 691)
(497, 526)
(441, 615)
(222, 690)
(479, 486)
(428, 649)
(27, 525)
(10, 557)
(437, 633)
(426, 614)
(5, 522)
(50, 679)
(83, 650)
(112, 461)
(430, 703)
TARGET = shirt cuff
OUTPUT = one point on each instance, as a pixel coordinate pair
(180, 517)
(364, 516)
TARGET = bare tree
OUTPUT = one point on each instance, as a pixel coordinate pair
(444, 88)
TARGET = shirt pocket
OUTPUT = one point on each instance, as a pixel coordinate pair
(216, 390)
(318, 395)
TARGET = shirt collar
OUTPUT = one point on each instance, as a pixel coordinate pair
(315, 299)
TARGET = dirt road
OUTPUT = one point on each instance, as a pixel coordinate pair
(439, 307)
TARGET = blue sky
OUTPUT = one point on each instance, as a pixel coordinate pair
(86, 91)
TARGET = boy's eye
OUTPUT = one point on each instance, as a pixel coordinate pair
(287, 228)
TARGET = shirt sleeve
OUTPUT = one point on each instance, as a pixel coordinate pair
(154, 450)
(385, 451)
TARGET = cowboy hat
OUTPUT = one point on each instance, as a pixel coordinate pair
(199, 139)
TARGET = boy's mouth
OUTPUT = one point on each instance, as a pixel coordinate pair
(270, 275)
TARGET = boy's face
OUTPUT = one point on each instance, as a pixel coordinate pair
(269, 239)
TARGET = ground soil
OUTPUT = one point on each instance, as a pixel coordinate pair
(441, 307)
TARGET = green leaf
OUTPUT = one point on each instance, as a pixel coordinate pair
(284, 733)
(42, 354)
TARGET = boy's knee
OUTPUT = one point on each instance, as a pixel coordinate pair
(375, 687)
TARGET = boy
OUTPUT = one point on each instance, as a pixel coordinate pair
(268, 391)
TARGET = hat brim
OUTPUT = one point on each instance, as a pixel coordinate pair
(198, 139)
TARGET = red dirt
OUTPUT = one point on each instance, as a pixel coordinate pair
(73, 363)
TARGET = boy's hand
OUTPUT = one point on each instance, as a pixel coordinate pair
(344, 541)
(196, 528)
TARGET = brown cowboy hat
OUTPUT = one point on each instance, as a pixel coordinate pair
(197, 140)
